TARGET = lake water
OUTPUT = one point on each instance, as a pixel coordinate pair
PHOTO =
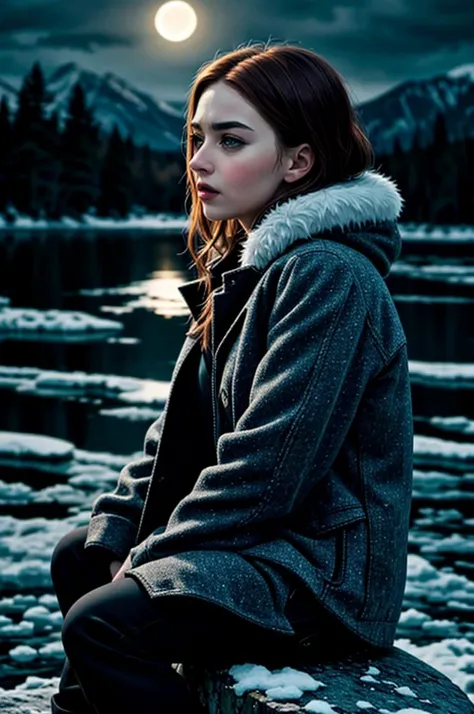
(132, 277)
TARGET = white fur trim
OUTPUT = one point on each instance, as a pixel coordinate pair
(371, 197)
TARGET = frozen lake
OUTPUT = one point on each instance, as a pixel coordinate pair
(113, 381)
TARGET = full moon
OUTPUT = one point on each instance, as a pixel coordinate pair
(175, 21)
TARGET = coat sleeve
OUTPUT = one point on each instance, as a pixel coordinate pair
(300, 409)
(115, 516)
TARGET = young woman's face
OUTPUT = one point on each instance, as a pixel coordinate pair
(236, 161)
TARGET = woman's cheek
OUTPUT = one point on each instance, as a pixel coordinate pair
(248, 171)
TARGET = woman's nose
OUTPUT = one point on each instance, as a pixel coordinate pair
(199, 162)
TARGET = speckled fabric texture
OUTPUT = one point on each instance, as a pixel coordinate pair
(312, 428)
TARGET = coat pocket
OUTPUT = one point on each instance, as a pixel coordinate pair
(329, 532)
(334, 527)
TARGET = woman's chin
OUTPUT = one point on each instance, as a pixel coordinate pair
(216, 214)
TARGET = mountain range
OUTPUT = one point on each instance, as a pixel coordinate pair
(396, 113)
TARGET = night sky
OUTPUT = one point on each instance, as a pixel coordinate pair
(374, 44)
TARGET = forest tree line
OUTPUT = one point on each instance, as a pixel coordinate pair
(51, 170)
(437, 181)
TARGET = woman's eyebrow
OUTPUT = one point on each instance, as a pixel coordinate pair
(217, 126)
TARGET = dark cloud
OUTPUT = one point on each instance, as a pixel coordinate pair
(20, 17)
(373, 42)
(84, 41)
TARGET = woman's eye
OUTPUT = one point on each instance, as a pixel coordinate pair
(237, 142)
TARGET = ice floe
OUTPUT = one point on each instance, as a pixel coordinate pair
(159, 221)
(459, 424)
(451, 374)
(132, 390)
(31, 324)
(447, 273)
(21, 445)
(440, 234)
(132, 413)
(430, 449)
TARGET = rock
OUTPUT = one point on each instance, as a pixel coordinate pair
(395, 682)
(27, 701)
(398, 681)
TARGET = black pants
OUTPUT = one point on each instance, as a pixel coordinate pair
(120, 643)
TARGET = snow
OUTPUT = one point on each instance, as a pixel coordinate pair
(452, 657)
(405, 691)
(432, 299)
(431, 372)
(428, 586)
(25, 552)
(157, 221)
(437, 603)
(251, 676)
(27, 323)
(319, 707)
(23, 653)
(453, 274)
(133, 390)
(460, 424)
(20, 445)
(462, 71)
(132, 413)
(87, 472)
(443, 449)
(283, 693)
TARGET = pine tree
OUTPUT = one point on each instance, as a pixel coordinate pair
(116, 191)
(29, 153)
(443, 176)
(145, 189)
(79, 151)
(5, 149)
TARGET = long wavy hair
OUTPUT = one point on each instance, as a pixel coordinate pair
(305, 100)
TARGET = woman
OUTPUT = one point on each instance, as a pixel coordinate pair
(270, 510)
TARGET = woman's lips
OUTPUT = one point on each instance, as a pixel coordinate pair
(205, 194)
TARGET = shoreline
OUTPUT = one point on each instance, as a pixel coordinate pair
(159, 222)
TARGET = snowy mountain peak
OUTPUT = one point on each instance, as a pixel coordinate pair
(414, 106)
(114, 101)
(392, 116)
(464, 70)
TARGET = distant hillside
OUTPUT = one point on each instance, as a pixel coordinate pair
(415, 104)
(115, 101)
(410, 106)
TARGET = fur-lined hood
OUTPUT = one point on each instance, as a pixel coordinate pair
(361, 212)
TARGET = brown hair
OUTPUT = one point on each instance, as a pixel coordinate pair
(304, 99)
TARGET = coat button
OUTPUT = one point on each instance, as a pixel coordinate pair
(224, 398)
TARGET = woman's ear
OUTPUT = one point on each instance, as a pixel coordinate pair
(300, 162)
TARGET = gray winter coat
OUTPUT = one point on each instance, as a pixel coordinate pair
(312, 422)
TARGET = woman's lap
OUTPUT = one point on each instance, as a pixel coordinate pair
(172, 627)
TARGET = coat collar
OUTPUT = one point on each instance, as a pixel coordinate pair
(361, 213)
(369, 198)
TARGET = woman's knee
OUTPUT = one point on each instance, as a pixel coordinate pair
(77, 621)
(104, 615)
(62, 556)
